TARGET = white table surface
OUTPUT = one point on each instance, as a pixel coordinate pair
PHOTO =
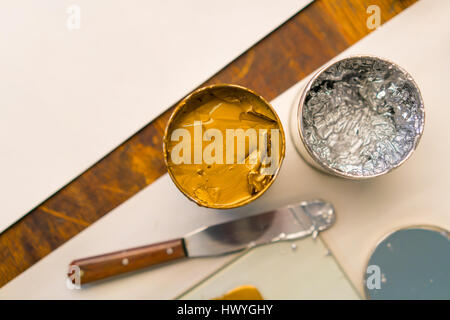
(70, 96)
(417, 39)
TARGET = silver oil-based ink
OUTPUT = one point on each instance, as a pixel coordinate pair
(360, 117)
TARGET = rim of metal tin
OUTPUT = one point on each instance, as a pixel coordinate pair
(180, 105)
(306, 89)
(387, 235)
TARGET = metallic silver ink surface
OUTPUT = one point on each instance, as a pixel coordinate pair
(361, 117)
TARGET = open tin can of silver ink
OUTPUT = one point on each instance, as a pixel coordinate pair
(358, 118)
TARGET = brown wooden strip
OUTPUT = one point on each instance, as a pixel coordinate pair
(305, 42)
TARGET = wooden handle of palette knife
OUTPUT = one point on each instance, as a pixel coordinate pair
(91, 269)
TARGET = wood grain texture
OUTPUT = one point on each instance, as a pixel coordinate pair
(119, 262)
(298, 47)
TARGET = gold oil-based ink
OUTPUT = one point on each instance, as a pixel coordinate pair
(245, 292)
(223, 146)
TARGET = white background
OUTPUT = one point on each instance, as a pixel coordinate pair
(414, 194)
(69, 97)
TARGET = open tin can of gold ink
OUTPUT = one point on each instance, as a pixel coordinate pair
(358, 118)
(223, 146)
